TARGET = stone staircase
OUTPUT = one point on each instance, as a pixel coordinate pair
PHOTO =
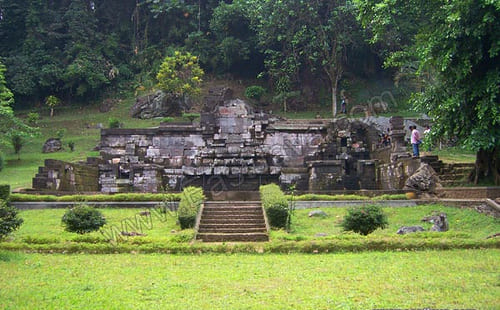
(452, 174)
(232, 221)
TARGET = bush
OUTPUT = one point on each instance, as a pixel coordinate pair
(275, 204)
(71, 146)
(9, 220)
(113, 122)
(191, 201)
(60, 133)
(191, 116)
(83, 219)
(167, 119)
(33, 118)
(365, 219)
(4, 192)
(255, 92)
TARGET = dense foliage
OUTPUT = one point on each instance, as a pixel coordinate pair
(83, 219)
(365, 219)
(9, 219)
(9, 124)
(180, 74)
(452, 50)
(191, 200)
(276, 205)
(81, 51)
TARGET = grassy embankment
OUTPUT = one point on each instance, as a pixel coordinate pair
(42, 231)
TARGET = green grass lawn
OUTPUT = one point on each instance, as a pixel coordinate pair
(44, 227)
(464, 223)
(457, 279)
(455, 155)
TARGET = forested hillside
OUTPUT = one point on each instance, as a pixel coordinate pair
(80, 51)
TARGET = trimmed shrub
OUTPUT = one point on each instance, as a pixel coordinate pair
(113, 122)
(99, 197)
(255, 92)
(4, 192)
(9, 220)
(275, 204)
(83, 219)
(71, 145)
(191, 200)
(364, 220)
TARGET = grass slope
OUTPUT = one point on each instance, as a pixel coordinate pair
(445, 280)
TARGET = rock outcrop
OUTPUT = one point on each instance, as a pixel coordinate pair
(424, 180)
(52, 145)
(159, 104)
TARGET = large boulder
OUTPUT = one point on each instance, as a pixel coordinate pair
(439, 221)
(317, 213)
(424, 180)
(159, 104)
(409, 229)
(52, 145)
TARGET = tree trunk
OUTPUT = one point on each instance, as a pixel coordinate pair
(487, 166)
(51, 112)
(334, 98)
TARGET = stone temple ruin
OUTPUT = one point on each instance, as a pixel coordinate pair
(236, 148)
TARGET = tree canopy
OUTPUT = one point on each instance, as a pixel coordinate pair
(454, 47)
(10, 125)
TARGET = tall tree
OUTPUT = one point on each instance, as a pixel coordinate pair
(300, 35)
(9, 124)
(455, 48)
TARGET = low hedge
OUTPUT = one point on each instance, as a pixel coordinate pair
(123, 197)
(324, 197)
(312, 247)
(191, 200)
(275, 204)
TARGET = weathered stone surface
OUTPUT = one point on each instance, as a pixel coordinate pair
(439, 221)
(424, 179)
(409, 229)
(52, 145)
(317, 213)
(159, 104)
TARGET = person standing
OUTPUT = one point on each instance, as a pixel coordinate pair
(415, 140)
(427, 131)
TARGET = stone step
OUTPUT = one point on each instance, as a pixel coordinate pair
(236, 237)
(222, 229)
(453, 177)
(259, 225)
(232, 210)
(231, 221)
(231, 216)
